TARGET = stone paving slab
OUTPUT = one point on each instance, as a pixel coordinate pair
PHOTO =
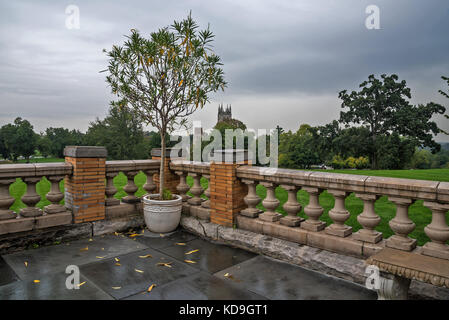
(156, 241)
(107, 274)
(282, 281)
(51, 287)
(57, 257)
(7, 275)
(210, 257)
(200, 286)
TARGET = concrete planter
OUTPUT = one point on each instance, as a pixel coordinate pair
(162, 216)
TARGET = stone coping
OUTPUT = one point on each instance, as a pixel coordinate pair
(34, 170)
(190, 166)
(394, 187)
(85, 152)
(132, 165)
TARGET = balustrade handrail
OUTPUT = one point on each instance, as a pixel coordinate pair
(34, 170)
(132, 165)
(392, 187)
(190, 166)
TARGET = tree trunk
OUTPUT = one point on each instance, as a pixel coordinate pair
(162, 167)
(374, 154)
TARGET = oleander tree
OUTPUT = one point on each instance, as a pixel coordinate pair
(165, 78)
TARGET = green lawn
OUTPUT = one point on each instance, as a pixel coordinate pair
(420, 215)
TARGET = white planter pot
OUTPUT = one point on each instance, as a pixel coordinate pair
(162, 216)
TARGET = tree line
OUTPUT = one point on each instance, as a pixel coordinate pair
(378, 128)
(119, 132)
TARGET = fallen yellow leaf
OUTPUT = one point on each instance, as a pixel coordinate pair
(134, 235)
(116, 288)
(190, 252)
(189, 261)
(165, 264)
(37, 281)
(151, 287)
(26, 264)
(98, 257)
(137, 270)
(117, 259)
(118, 264)
(160, 234)
(181, 244)
(84, 249)
(226, 274)
(90, 240)
(146, 256)
(81, 284)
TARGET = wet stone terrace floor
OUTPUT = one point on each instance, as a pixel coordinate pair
(179, 265)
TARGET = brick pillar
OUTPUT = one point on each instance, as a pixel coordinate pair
(171, 179)
(85, 188)
(226, 191)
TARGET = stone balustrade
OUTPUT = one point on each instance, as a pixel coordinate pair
(32, 217)
(193, 205)
(338, 236)
(130, 168)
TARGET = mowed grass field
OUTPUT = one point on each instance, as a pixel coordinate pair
(419, 214)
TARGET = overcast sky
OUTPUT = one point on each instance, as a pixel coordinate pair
(285, 61)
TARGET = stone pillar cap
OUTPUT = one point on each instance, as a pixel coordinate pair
(85, 152)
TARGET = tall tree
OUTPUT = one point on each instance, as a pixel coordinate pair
(165, 78)
(121, 133)
(383, 106)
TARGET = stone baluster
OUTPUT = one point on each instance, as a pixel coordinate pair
(270, 203)
(31, 198)
(251, 200)
(196, 190)
(130, 188)
(149, 185)
(55, 196)
(111, 190)
(401, 226)
(292, 207)
(437, 231)
(339, 215)
(206, 204)
(313, 210)
(368, 219)
(182, 187)
(6, 200)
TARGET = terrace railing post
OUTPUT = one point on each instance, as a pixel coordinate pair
(313, 210)
(6, 200)
(437, 231)
(339, 215)
(197, 190)
(130, 188)
(401, 226)
(292, 207)
(251, 200)
(270, 203)
(31, 198)
(111, 190)
(149, 185)
(206, 204)
(55, 196)
(85, 188)
(182, 187)
(368, 219)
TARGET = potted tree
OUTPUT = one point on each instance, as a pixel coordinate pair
(163, 79)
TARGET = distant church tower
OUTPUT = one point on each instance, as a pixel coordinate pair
(224, 114)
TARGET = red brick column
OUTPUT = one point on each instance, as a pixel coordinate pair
(85, 188)
(226, 190)
(171, 179)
